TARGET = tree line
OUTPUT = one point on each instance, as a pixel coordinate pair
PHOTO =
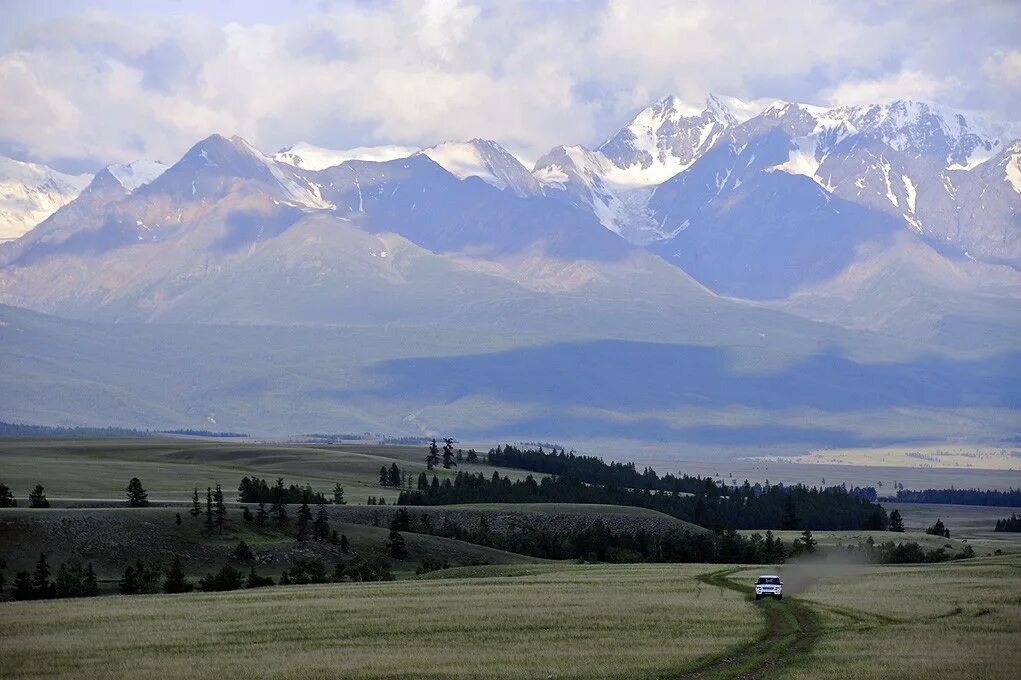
(1010, 498)
(1012, 523)
(709, 505)
(594, 470)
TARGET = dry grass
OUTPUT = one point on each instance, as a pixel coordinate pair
(171, 468)
(952, 620)
(563, 622)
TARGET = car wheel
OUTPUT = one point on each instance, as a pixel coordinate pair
(779, 597)
(758, 597)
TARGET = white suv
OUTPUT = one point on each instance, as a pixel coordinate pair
(767, 584)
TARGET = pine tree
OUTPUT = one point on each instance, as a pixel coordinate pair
(896, 521)
(90, 584)
(285, 579)
(256, 581)
(338, 494)
(423, 482)
(175, 581)
(22, 589)
(7, 499)
(448, 453)
(177, 518)
(334, 537)
(242, 553)
(807, 542)
(196, 507)
(790, 517)
(460, 456)
(260, 514)
(345, 546)
(321, 525)
(394, 476)
(384, 477)
(209, 510)
(473, 456)
(304, 518)
(68, 581)
(395, 547)
(220, 508)
(278, 506)
(41, 585)
(432, 459)
(137, 496)
(339, 573)
(37, 499)
(247, 515)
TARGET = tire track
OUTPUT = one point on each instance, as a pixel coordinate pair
(791, 629)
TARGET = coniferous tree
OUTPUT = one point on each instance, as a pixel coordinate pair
(938, 529)
(285, 578)
(423, 482)
(69, 579)
(242, 553)
(209, 510)
(196, 507)
(460, 456)
(448, 453)
(22, 589)
(432, 459)
(175, 581)
(129, 581)
(395, 547)
(321, 525)
(807, 542)
(384, 477)
(394, 476)
(219, 507)
(37, 499)
(7, 499)
(345, 546)
(334, 537)
(247, 515)
(177, 518)
(473, 456)
(339, 573)
(256, 581)
(304, 519)
(90, 584)
(278, 503)
(228, 578)
(137, 496)
(338, 494)
(896, 521)
(41, 585)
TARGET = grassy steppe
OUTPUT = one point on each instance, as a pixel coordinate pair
(171, 468)
(563, 621)
(918, 622)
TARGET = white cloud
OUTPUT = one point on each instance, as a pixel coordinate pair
(531, 75)
(903, 85)
(1004, 67)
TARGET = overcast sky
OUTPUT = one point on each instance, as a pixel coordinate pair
(83, 84)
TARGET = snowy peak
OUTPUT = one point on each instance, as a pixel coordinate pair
(486, 160)
(925, 129)
(139, 173)
(667, 137)
(31, 192)
(311, 157)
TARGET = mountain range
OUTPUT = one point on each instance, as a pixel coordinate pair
(773, 232)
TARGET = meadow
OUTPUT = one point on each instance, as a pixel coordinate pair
(83, 469)
(951, 620)
(564, 622)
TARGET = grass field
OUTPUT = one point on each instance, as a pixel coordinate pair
(953, 620)
(171, 468)
(562, 622)
(931, 622)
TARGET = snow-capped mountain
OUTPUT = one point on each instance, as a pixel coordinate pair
(311, 157)
(139, 173)
(30, 192)
(663, 140)
(486, 160)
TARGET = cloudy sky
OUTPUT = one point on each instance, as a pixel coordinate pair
(88, 83)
